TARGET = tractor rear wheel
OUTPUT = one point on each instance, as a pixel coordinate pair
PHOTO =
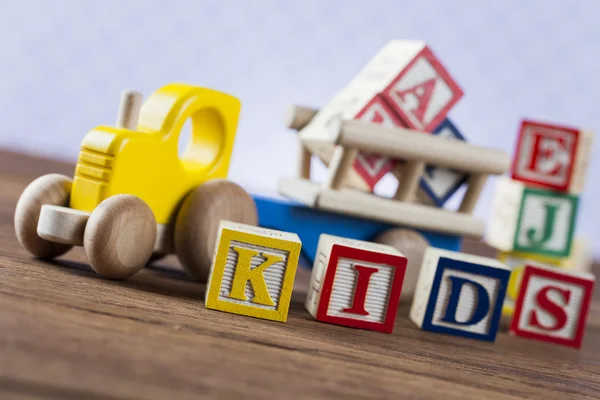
(119, 236)
(413, 245)
(53, 189)
(198, 219)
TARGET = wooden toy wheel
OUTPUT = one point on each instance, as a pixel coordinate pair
(413, 245)
(198, 219)
(119, 236)
(51, 189)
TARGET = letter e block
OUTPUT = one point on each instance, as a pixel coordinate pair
(552, 156)
(356, 283)
(553, 305)
(253, 271)
(531, 220)
(460, 294)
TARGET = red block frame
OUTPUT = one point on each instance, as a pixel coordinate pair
(398, 262)
(588, 286)
(515, 174)
(442, 73)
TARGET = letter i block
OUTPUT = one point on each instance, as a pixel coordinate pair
(356, 283)
(552, 156)
(253, 271)
(460, 294)
(531, 220)
(439, 184)
(553, 305)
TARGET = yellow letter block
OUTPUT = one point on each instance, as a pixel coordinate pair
(253, 271)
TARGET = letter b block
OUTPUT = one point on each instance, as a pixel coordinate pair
(460, 294)
(552, 305)
(253, 271)
(356, 283)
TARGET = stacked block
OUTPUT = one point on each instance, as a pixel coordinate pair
(253, 271)
(404, 85)
(460, 294)
(356, 283)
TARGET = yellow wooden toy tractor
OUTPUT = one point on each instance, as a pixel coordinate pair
(133, 198)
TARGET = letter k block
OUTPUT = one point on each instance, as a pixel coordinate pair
(253, 271)
(460, 294)
(356, 283)
(553, 305)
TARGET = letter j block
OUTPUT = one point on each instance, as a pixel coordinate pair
(253, 271)
(553, 305)
(356, 283)
(460, 294)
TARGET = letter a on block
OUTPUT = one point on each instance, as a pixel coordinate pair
(356, 283)
(552, 305)
(253, 271)
(460, 294)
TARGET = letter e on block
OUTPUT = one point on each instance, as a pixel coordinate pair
(356, 283)
(460, 294)
(253, 271)
(552, 156)
(552, 305)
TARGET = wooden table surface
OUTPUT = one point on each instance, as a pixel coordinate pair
(65, 333)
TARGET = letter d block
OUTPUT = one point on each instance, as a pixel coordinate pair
(253, 271)
(460, 294)
(356, 283)
(553, 305)
(530, 220)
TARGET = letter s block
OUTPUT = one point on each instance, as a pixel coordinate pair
(552, 305)
(460, 294)
(356, 283)
(551, 156)
(530, 220)
(253, 271)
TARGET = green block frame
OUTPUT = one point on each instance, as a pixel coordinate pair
(547, 193)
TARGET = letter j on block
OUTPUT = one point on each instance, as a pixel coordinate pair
(356, 283)
(253, 271)
(460, 294)
(553, 305)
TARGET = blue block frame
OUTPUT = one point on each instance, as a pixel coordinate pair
(444, 263)
(439, 202)
(309, 224)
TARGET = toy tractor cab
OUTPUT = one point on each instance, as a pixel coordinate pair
(133, 197)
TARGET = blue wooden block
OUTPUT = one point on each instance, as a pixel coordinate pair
(439, 184)
(309, 224)
(460, 294)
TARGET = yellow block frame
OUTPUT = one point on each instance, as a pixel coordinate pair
(212, 300)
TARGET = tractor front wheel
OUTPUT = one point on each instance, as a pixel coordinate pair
(198, 220)
(119, 236)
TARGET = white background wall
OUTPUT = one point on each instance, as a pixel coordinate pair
(65, 62)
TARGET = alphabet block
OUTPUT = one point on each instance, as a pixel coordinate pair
(531, 220)
(460, 294)
(553, 305)
(552, 156)
(439, 184)
(253, 271)
(356, 283)
(580, 260)
(409, 86)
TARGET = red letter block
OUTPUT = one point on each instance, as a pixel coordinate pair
(356, 283)
(552, 305)
(552, 156)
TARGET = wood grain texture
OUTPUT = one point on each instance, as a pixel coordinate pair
(66, 333)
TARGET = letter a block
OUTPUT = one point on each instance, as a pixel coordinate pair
(356, 283)
(553, 305)
(253, 271)
(552, 156)
(460, 294)
(531, 220)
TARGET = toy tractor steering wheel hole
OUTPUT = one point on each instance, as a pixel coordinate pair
(201, 138)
